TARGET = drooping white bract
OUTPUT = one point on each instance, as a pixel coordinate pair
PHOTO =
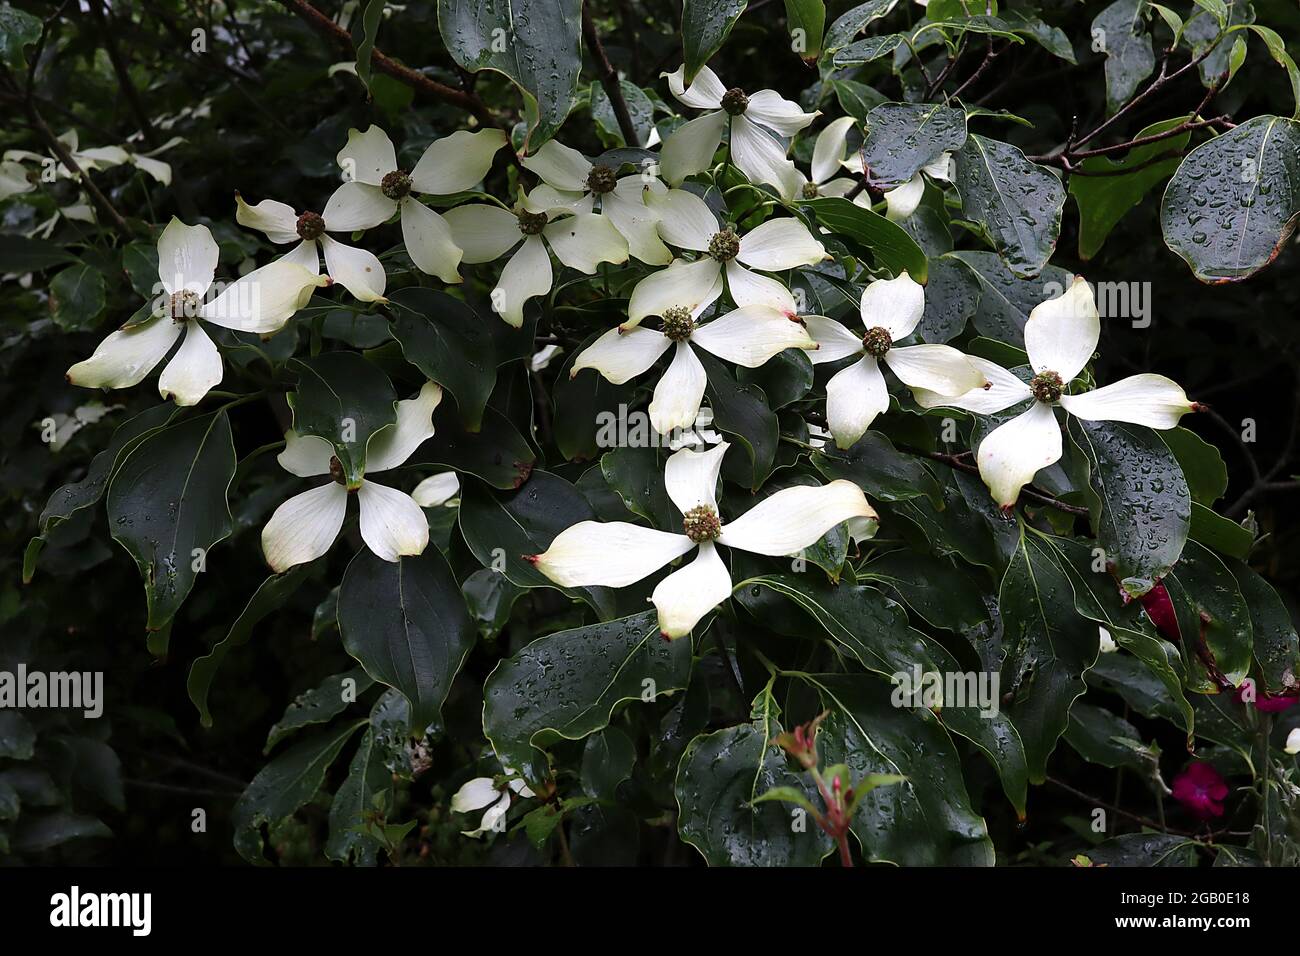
(580, 240)
(392, 524)
(260, 302)
(754, 119)
(1292, 745)
(1060, 337)
(748, 337)
(353, 206)
(483, 792)
(99, 157)
(901, 201)
(687, 222)
(891, 309)
(449, 165)
(828, 161)
(571, 182)
(437, 490)
(616, 554)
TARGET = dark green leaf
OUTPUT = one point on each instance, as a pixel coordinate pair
(1121, 32)
(496, 452)
(1212, 617)
(1049, 647)
(1139, 505)
(888, 244)
(536, 43)
(1234, 200)
(270, 596)
(607, 761)
(451, 344)
(18, 28)
(319, 705)
(705, 26)
(903, 137)
(1105, 193)
(927, 820)
(742, 411)
(405, 623)
(77, 296)
(1006, 299)
(284, 785)
(1277, 649)
(344, 399)
(167, 507)
(718, 782)
(882, 471)
(567, 685)
(807, 20)
(1016, 203)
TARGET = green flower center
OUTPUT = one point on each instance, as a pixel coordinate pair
(183, 305)
(809, 190)
(396, 185)
(532, 223)
(725, 245)
(702, 524)
(877, 341)
(1046, 386)
(678, 323)
(311, 225)
(602, 180)
(734, 101)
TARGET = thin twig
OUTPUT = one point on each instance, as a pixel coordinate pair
(1136, 818)
(468, 101)
(609, 80)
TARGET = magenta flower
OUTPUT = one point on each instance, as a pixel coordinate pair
(1160, 609)
(1201, 790)
(1268, 705)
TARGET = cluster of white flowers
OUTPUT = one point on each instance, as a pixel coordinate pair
(712, 286)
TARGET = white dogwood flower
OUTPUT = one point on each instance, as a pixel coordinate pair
(687, 222)
(891, 309)
(392, 524)
(828, 161)
(449, 165)
(353, 206)
(1106, 642)
(484, 792)
(572, 182)
(755, 151)
(437, 490)
(616, 554)
(1060, 337)
(1293, 741)
(260, 302)
(901, 201)
(748, 337)
(580, 240)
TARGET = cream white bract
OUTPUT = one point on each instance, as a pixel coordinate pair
(891, 309)
(483, 792)
(392, 524)
(748, 337)
(686, 221)
(828, 161)
(352, 207)
(581, 241)
(259, 302)
(571, 182)
(1060, 337)
(616, 554)
(756, 121)
(449, 165)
